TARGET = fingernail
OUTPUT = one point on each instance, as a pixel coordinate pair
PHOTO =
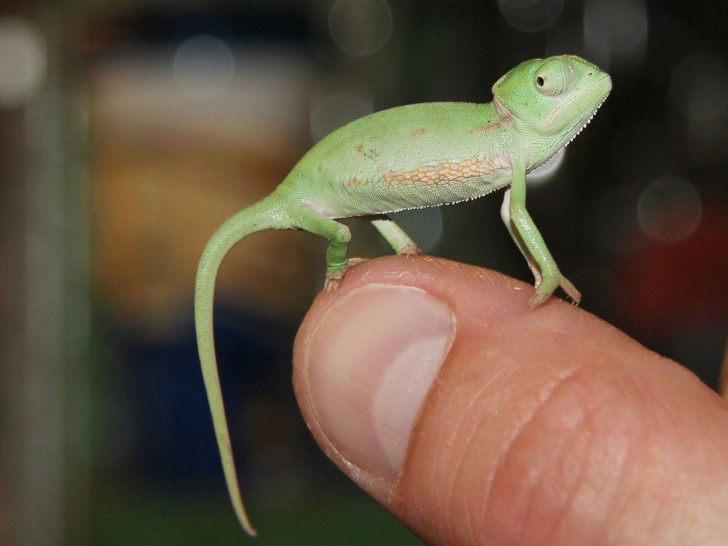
(370, 363)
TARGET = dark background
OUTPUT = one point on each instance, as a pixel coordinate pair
(130, 130)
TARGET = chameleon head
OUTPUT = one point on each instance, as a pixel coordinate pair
(553, 97)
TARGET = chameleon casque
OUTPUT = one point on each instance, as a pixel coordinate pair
(410, 157)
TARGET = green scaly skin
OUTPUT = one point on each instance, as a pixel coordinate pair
(411, 157)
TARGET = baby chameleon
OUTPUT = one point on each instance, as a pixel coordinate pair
(412, 157)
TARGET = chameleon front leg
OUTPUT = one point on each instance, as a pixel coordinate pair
(506, 216)
(546, 273)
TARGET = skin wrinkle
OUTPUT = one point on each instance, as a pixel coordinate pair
(539, 484)
(473, 436)
(637, 390)
(457, 475)
(623, 483)
(476, 400)
(654, 520)
(568, 502)
(509, 445)
(617, 491)
(457, 431)
(637, 386)
(486, 494)
(624, 479)
(458, 471)
(577, 485)
(469, 520)
(628, 485)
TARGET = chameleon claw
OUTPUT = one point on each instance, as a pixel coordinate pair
(331, 284)
(570, 291)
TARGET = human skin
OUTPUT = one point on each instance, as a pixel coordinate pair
(475, 420)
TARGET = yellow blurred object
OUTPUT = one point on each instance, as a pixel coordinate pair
(170, 167)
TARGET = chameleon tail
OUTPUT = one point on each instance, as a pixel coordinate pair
(266, 214)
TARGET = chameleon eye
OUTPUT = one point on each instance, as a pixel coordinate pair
(553, 78)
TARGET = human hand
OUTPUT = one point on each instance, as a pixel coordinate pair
(476, 421)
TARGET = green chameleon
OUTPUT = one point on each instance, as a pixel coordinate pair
(412, 157)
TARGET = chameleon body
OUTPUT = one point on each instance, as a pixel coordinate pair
(411, 157)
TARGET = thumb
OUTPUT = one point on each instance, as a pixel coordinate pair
(476, 421)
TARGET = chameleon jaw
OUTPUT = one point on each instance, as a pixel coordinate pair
(556, 111)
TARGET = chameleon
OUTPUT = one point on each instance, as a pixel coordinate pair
(409, 157)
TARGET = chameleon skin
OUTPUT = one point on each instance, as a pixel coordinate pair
(412, 157)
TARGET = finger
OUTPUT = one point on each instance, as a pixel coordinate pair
(723, 387)
(477, 421)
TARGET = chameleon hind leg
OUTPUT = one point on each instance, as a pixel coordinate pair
(339, 236)
(392, 233)
(395, 236)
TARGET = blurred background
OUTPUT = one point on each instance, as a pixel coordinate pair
(130, 130)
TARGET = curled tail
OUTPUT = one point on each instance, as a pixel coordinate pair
(266, 214)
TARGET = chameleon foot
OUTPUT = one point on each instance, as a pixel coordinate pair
(332, 281)
(410, 250)
(545, 289)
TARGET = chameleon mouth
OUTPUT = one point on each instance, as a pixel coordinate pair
(587, 122)
(600, 82)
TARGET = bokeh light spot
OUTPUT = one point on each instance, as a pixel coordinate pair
(203, 65)
(23, 59)
(546, 172)
(423, 225)
(699, 94)
(615, 30)
(531, 15)
(669, 210)
(360, 27)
